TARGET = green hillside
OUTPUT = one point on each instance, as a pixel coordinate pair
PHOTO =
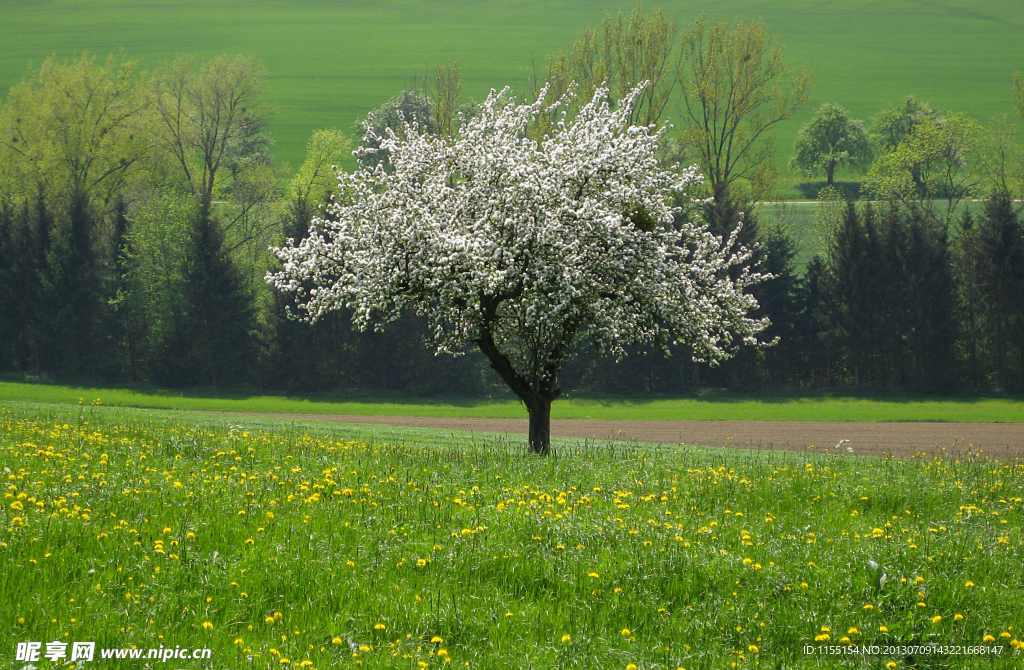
(330, 62)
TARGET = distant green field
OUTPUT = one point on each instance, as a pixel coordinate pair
(716, 407)
(330, 62)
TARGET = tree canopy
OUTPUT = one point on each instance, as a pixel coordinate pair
(829, 140)
(524, 248)
(735, 88)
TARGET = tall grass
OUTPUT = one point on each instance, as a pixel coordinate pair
(277, 544)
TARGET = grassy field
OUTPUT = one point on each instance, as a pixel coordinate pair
(712, 407)
(331, 62)
(279, 545)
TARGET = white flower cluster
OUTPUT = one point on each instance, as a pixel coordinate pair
(524, 246)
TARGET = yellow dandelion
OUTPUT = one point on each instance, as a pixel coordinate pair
(868, 607)
(883, 629)
(442, 653)
(747, 561)
(937, 618)
(207, 625)
(283, 661)
(753, 649)
(625, 632)
(969, 584)
(891, 665)
(853, 631)
(278, 616)
(436, 639)
(1005, 634)
(594, 575)
(566, 639)
(167, 531)
(988, 638)
(631, 666)
(269, 619)
(958, 617)
(239, 640)
(379, 626)
(337, 640)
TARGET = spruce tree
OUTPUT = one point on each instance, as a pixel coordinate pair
(70, 305)
(212, 341)
(1001, 247)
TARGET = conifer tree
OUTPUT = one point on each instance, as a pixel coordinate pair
(1001, 249)
(212, 343)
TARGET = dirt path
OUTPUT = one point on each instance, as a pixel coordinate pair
(997, 440)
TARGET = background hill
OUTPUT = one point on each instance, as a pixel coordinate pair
(330, 62)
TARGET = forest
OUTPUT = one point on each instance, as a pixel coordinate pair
(138, 209)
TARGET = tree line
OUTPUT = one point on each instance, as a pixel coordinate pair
(137, 209)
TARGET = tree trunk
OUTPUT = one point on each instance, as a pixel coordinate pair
(830, 170)
(540, 425)
(537, 395)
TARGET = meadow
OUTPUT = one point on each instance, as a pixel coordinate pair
(800, 405)
(329, 63)
(277, 544)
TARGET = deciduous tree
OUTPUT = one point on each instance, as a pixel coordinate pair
(79, 128)
(735, 89)
(524, 248)
(205, 113)
(621, 54)
(829, 140)
(897, 122)
(937, 160)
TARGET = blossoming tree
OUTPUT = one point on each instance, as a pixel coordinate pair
(525, 247)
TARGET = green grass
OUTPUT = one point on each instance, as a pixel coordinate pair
(809, 406)
(331, 62)
(269, 541)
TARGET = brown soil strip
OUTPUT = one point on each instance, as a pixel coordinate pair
(902, 440)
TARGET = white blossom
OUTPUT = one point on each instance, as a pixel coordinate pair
(524, 247)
